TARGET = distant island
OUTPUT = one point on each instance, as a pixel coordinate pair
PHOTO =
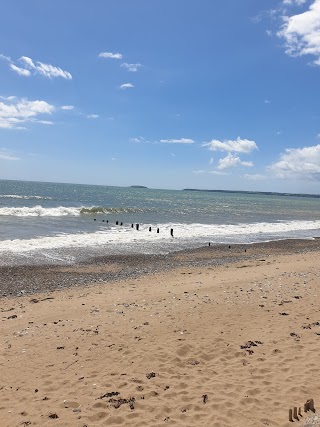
(264, 193)
(138, 186)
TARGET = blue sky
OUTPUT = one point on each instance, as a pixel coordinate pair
(162, 93)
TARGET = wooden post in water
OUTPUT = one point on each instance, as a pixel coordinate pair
(158, 230)
(131, 225)
(117, 222)
(149, 228)
(171, 232)
(137, 227)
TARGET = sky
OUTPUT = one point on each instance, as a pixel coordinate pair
(163, 93)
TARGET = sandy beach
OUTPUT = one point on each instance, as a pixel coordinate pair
(217, 336)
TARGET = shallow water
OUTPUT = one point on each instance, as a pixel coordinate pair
(63, 223)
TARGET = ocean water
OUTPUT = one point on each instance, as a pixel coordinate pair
(65, 223)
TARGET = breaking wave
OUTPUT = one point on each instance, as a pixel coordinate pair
(63, 211)
(105, 210)
(39, 211)
(189, 234)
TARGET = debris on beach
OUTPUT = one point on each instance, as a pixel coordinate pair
(295, 336)
(250, 344)
(116, 403)
(150, 375)
(109, 394)
(54, 416)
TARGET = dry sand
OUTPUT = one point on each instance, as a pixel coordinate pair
(235, 344)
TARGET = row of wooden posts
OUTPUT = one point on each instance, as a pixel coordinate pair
(136, 226)
(296, 413)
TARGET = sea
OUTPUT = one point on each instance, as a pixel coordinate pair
(55, 223)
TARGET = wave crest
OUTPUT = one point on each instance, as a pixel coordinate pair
(106, 210)
(39, 211)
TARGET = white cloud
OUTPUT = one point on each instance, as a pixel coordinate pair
(6, 58)
(301, 32)
(93, 116)
(126, 86)
(231, 161)
(20, 71)
(254, 177)
(267, 101)
(211, 161)
(238, 146)
(141, 140)
(67, 107)
(42, 122)
(16, 112)
(28, 67)
(8, 98)
(292, 2)
(199, 172)
(45, 70)
(110, 55)
(218, 173)
(303, 163)
(131, 67)
(177, 141)
(6, 155)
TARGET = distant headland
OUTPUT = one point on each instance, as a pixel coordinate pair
(137, 186)
(265, 193)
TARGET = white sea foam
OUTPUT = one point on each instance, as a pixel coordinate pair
(182, 232)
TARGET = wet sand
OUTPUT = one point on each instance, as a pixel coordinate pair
(217, 336)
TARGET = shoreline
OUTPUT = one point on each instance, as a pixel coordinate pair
(29, 279)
